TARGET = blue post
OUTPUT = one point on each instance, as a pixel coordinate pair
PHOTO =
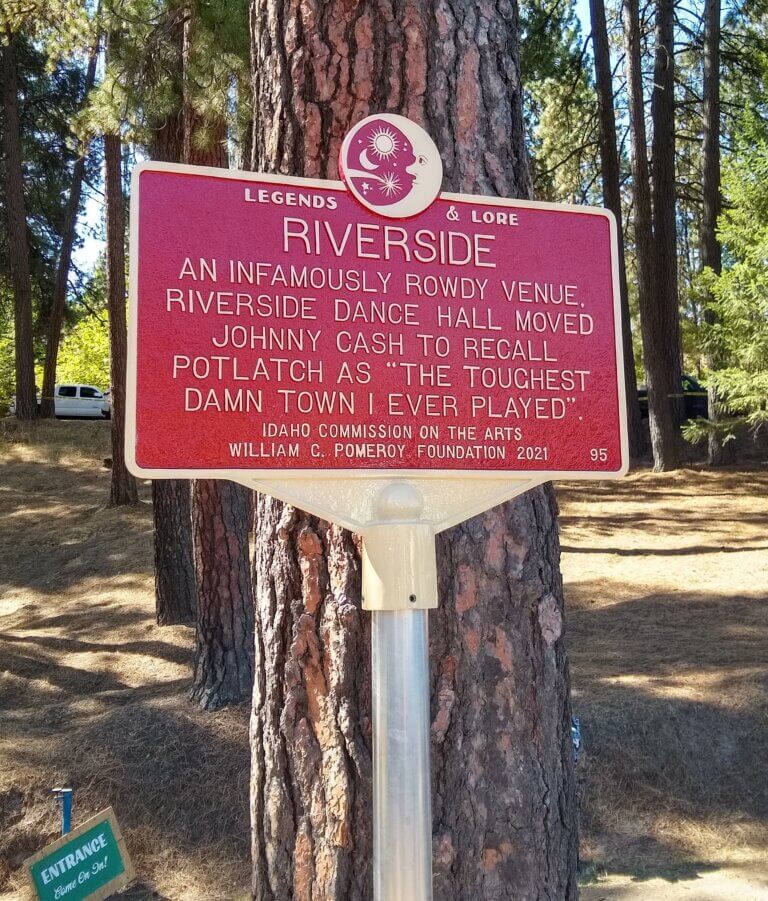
(66, 810)
(65, 796)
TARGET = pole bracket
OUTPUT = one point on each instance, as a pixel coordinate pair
(399, 561)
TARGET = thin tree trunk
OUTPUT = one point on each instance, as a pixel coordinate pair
(48, 406)
(719, 454)
(224, 647)
(665, 302)
(223, 672)
(662, 423)
(504, 813)
(175, 591)
(168, 140)
(609, 164)
(123, 489)
(246, 151)
(16, 220)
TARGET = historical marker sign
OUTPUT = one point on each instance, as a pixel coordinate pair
(387, 357)
(89, 862)
(285, 332)
(278, 325)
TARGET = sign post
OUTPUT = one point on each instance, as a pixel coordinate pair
(399, 587)
(383, 356)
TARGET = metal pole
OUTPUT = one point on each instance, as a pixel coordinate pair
(399, 588)
(402, 830)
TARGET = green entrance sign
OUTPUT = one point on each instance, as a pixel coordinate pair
(89, 862)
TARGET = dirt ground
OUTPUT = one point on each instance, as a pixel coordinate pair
(666, 582)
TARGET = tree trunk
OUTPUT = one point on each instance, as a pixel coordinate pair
(16, 221)
(504, 814)
(719, 454)
(220, 510)
(665, 303)
(123, 489)
(224, 647)
(662, 424)
(611, 176)
(175, 592)
(48, 406)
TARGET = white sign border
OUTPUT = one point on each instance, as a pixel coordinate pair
(260, 478)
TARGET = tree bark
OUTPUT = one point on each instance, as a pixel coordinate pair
(18, 247)
(719, 454)
(504, 814)
(665, 302)
(609, 165)
(220, 510)
(48, 405)
(652, 324)
(175, 588)
(175, 591)
(224, 646)
(123, 489)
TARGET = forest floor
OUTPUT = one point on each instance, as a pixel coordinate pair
(666, 580)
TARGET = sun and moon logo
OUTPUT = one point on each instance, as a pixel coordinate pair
(391, 165)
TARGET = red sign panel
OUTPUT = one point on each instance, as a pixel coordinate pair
(277, 325)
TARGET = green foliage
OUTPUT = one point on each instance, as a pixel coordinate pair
(50, 96)
(550, 43)
(740, 295)
(7, 370)
(84, 352)
(145, 85)
(560, 104)
(566, 141)
(58, 27)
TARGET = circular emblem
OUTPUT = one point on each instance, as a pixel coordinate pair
(391, 165)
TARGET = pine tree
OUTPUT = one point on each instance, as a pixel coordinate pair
(652, 323)
(16, 224)
(504, 801)
(69, 232)
(611, 177)
(663, 353)
(719, 452)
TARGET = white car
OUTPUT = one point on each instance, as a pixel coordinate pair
(81, 401)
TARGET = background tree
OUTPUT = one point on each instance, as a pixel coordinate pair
(141, 93)
(660, 413)
(558, 102)
(16, 224)
(739, 296)
(224, 643)
(611, 178)
(122, 485)
(42, 81)
(498, 746)
(711, 257)
(664, 307)
(175, 579)
(68, 237)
